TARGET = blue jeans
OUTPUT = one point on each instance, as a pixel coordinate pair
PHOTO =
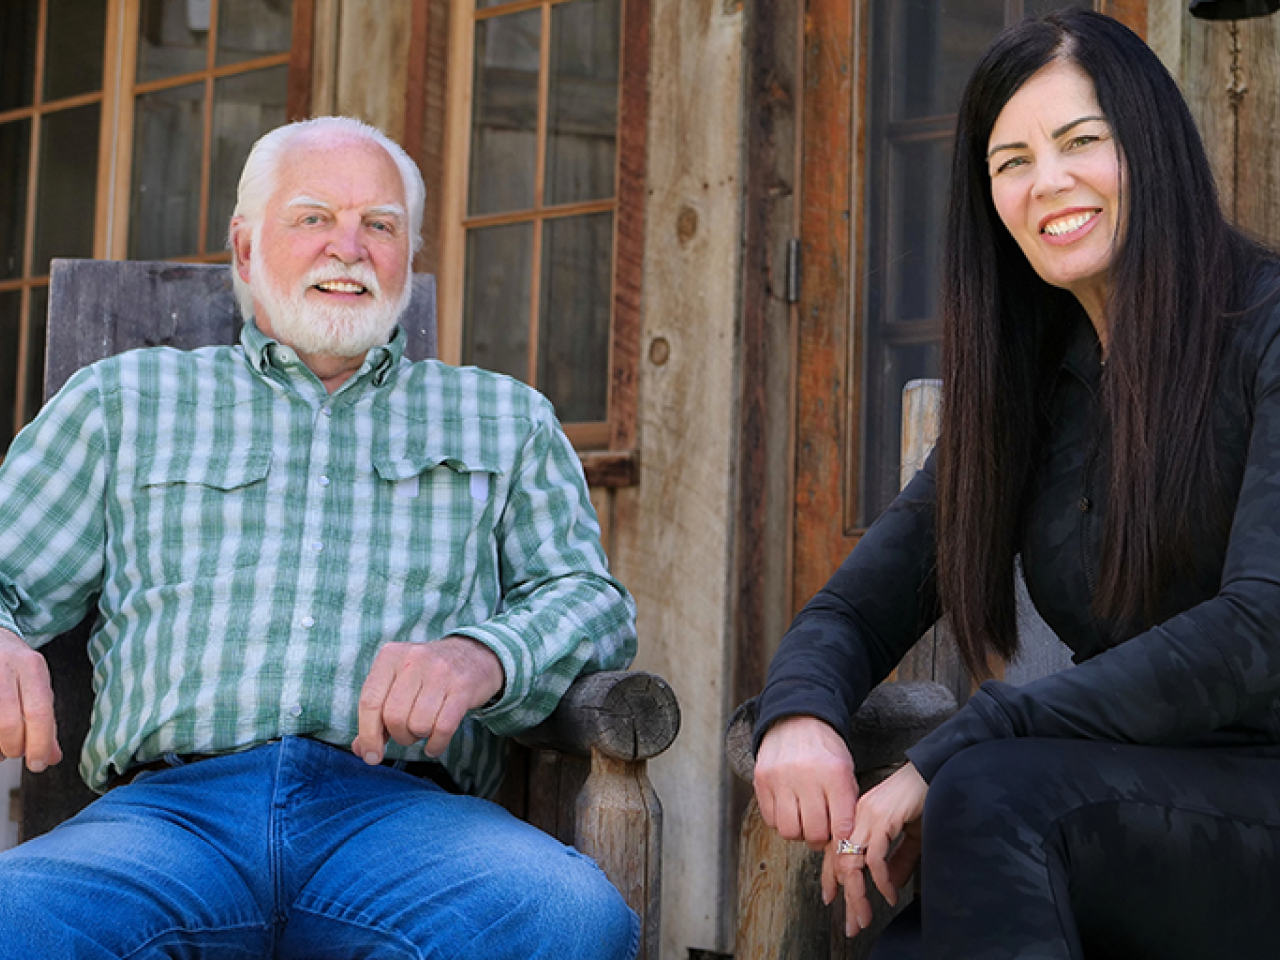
(299, 850)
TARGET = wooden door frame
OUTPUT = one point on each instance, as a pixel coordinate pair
(828, 345)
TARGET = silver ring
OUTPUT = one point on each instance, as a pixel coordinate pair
(848, 846)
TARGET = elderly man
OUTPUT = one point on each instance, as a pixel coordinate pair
(330, 580)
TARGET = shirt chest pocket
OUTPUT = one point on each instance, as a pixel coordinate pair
(432, 517)
(203, 511)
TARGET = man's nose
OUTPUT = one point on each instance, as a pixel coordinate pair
(345, 243)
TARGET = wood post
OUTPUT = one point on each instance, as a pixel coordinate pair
(619, 825)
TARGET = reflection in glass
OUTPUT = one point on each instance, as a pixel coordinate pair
(504, 131)
(496, 303)
(173, 37)
(164, 210)
(573, 317)
(582, 102)
(900, 364)
(939, 43)
(10, 334)
(253, 28)
(39, 319)
(67, 186)
(245, 106)
(17, 54)
(919, 171)
(15, 147)
(76, 37)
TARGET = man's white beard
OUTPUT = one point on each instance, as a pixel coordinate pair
(328, 329)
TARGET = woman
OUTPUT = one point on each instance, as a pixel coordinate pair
(1112, 416)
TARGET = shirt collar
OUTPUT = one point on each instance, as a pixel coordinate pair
(264, 353)
(1083, 356)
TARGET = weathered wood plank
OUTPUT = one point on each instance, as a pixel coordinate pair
(373, 58)
(823, 432)
(1257, 200)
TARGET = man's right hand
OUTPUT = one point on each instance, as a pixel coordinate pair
(804, 781)
(27, 725)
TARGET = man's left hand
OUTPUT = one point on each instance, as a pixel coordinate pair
(417, 690)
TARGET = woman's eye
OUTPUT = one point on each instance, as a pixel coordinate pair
(1010, 164)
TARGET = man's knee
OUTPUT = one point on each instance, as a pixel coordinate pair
(579, 913)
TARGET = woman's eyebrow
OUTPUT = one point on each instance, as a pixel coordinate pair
(1054, 135)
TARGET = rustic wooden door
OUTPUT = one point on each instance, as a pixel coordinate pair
(882, 81)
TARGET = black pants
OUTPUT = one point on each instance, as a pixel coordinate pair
(1056, 849)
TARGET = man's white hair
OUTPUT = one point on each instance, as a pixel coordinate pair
(261, 174)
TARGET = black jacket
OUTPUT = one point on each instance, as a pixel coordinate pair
(1208, 674)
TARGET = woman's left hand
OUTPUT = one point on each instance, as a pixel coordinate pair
(890, 809)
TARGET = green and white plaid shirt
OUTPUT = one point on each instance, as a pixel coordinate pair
(255, 540)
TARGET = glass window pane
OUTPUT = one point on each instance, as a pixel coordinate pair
(504, 132)
(248, 29)
(164, 210)
(67, 188)
(15, 149)
(496, 304)
(10, 333)
(919, 175)
(483, 4)
(244, 108)
(938, 45)
(582, 103)
(39, 315)
(573, 317)
(897, 364)
(1035, 8)
(77, 32)
(173, 37)
(18, 21)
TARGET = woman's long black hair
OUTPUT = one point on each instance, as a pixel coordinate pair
(1178, 269)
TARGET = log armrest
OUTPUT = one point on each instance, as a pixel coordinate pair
(891, 720)
(624, 714)
(780, 911)
(619, 720)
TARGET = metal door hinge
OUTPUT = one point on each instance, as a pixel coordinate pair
(793, 270)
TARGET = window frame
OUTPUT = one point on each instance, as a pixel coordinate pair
(115, 147)
(442, 148)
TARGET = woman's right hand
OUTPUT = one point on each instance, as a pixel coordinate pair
(804, 781)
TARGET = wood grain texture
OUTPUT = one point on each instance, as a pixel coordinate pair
(824, 328)
(629, 230)
(1257, 159)
(623, 715)
(619, 825)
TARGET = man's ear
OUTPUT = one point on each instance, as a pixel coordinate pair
(241, 246)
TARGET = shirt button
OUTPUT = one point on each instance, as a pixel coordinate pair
(326, 411)
(324, 481)
(308, 622)
(317, 546)
(295, 710)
